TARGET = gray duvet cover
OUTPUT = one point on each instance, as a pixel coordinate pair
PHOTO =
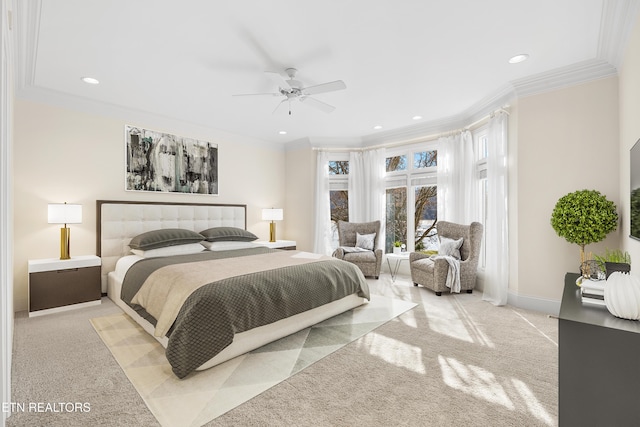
(210, 317)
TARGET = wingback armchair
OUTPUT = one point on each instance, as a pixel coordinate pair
(369, 261)
(432, 273)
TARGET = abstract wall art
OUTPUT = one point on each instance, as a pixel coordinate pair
(162, 162)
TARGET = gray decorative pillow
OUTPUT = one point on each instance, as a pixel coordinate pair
(365, 241)
(228, 234)
(450, 247)
(164, 237)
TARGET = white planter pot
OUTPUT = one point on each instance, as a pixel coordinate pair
(622, 295)
(397, 250)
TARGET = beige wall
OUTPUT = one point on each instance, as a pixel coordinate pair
(300, 200)
(629, 94)
(65, 155)
(567, 140)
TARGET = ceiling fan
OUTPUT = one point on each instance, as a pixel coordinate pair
(293, 89)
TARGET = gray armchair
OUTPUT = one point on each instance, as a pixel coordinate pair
(432, 273)
(368, 261)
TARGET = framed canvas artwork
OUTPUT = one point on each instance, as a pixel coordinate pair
(162, 162)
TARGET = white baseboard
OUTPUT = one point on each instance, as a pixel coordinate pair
(534, 303)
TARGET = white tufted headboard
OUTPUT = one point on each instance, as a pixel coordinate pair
(118, 222)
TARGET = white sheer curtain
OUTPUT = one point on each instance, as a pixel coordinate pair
(496, 231)
(322, 235)
(366, 185)
(457, 179)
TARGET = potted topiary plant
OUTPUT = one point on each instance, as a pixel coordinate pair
(584, 217)
(397, 247)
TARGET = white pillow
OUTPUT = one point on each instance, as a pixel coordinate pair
(227, 245)
(450, 247)
(365, 241)
(189, 248)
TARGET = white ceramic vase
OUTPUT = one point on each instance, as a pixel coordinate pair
(622, 295)
(397, 249)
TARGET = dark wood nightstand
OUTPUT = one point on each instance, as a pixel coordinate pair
(59, 285)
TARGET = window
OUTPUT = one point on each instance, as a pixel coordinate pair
(426, 212)
(338, 193)
(480, 138)
(396, 163)
(396, 225)
(339, 202)
(425, 159)
(338, 167)
(411, 202)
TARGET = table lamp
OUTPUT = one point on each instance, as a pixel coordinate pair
(63, 213)
(272, 215)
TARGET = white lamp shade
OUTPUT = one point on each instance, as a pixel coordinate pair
(63, 213)
(272, 214)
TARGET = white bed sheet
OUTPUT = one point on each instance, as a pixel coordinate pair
(245, 341)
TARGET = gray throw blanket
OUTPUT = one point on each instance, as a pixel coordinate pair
(453, 275)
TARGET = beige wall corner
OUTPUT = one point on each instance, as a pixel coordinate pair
(567, 140)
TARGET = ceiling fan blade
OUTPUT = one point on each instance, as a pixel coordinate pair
(279, 104)
(324, 87)
(323, 106)
(258, 94)
(278, 79)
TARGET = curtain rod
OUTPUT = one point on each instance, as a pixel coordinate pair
(425, 138)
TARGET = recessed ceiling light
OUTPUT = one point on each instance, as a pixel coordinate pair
(416, 117)
(518, 58)
(377, 127)
(90, 80)
(283, 132)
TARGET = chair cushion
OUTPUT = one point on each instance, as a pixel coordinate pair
(364, 256)
(424, 264)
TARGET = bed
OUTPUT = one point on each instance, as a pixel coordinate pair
(259, 294)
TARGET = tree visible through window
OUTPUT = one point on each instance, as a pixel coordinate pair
(339, 201)
(338, 195)
(426, 215)
(396, 225)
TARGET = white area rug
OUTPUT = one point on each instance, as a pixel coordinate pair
(208, 394)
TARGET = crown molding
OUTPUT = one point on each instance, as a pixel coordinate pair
(559, 78)
(26, 41)
(618, 19)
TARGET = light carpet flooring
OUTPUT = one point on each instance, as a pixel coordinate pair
(452, 360)
(203, 396)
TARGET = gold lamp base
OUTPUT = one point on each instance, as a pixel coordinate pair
(65, 238)
(272, 232)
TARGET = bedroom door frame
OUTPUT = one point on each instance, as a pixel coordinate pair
(6, 196)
